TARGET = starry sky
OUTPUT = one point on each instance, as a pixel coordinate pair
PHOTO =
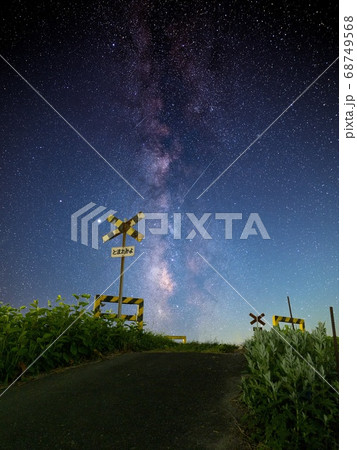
(170, 93)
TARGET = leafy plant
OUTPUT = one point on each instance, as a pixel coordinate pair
(289, 404)
(66, 334)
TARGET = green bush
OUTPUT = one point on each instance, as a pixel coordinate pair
(289, 404)
(23, 337)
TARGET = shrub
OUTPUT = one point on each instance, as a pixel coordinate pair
(23, 337)
(289, 404)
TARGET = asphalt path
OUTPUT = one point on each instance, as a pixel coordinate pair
(131, 401)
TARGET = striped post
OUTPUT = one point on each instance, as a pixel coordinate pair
(300, 322)
(139, 318)
(181, 338)
(139, 302)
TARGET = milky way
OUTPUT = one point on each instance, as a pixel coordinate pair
(170, 93)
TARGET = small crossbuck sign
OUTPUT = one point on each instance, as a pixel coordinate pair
(124, 227)
(257, 318)
(119, 252)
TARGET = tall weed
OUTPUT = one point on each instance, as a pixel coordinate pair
(25, 335)
(289, 404)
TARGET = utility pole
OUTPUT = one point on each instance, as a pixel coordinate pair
(334, 338)
(291, 314)
(121, 279)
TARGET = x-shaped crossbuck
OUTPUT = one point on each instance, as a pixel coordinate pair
(257, 318)
(124, 227)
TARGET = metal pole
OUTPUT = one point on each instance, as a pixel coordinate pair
(121, 281)
(291, 314)
(334, 337)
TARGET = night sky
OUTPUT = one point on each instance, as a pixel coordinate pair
(166, 92)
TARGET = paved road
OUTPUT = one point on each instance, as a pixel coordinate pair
(132, 401)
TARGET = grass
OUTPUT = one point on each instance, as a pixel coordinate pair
(205, 347)
(25, 333)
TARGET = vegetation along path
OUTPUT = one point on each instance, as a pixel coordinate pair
(131, 401)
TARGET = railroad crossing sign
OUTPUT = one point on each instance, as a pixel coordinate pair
(123, 227)
(120, 252)
(257, 319)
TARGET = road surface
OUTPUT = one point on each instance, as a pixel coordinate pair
(132, 401)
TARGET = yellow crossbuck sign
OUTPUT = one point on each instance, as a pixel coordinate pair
(124, 227)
